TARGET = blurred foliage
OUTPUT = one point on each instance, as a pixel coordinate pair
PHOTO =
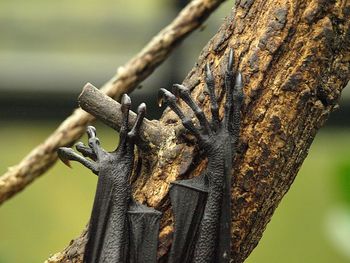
(59, 46)
(76, 26)
(343, 174)
(42, 219)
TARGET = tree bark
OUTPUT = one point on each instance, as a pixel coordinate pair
(295, 59)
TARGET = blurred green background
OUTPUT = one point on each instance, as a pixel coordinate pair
(49, 50)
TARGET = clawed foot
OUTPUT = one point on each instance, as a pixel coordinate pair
(95, 152)
(217, 138)
(209, 131)
(92, 151)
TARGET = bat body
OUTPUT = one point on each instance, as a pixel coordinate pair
(117, 222)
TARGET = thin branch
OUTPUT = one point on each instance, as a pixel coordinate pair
(41, 158)
(108, 111)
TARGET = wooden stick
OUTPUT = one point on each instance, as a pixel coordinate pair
(108, 111)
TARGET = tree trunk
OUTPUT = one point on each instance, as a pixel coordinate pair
(295, 60)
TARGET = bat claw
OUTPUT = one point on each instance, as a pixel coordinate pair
(63, 154)
(165, 96)
(67, 154)
(142, 109)
(238, 89)
(179, 89)
(91, 131)
(79, 144)
(239, 80)
(230, 60)
(86, 151)
(208, 73)
(160, 99)
(126, 103)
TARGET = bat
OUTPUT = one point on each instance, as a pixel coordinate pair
(188, 198)
(202, 206)
(120, 229)
(144, 228)
(124, 231)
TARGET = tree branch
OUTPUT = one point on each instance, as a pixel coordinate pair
(41, 158)
(109, 112)
(294, 56)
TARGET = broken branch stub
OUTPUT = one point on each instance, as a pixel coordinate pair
(108, 111)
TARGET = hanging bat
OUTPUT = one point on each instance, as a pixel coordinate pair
(120, 229)
(202, 205)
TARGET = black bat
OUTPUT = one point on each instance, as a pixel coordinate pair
(144, 230)
(202, 206)
(120, 229)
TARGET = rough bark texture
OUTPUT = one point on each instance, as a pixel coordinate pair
(41, 158)
(295, 59)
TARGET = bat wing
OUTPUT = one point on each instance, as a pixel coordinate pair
(144, 231)
(188, 199)
(98, 221)
(224, 246)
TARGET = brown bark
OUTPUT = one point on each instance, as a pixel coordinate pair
(295, 59)
(41, 158)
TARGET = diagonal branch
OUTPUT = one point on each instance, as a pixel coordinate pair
(41, 158)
